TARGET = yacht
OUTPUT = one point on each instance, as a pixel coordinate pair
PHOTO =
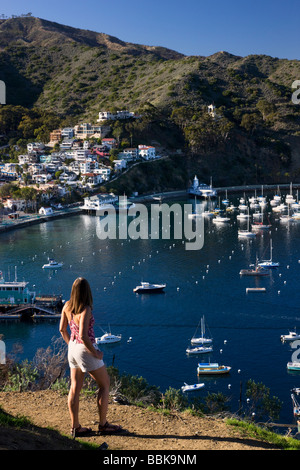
(147, 287)
(108, 338)
(292, 336)
(52, 264)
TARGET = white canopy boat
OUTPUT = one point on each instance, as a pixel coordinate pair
(291, 336)
(191, 388)
(147, 287)
(52, 264)
(201, 339)
(108, 338)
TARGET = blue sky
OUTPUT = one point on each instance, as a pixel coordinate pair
(192, 27)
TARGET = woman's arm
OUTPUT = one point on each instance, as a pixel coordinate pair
(63, 326)
(85, 317)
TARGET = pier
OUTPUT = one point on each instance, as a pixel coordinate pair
(44, 307)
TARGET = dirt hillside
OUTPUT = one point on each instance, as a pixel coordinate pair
(146, 430)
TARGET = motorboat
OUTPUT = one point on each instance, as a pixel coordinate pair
(212, 369)
(199, 350)
(52, 264)
(292, 336)
(202, 339)
(191, 388)
(295, 366)
(220, 220)
(269, 263)
(257, 271)
(108, 338)
(147, 287)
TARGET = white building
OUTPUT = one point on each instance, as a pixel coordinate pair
(99, 201)
(67, 132)
(45, 211)
(35, 147)
(129, 154)
(104, 172)
(92, 179)
(109, 142)
(120, 164)
(147, 152)
(81, 155)
(88, 165)
(107, 115)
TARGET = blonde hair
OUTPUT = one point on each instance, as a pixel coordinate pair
(81, 296)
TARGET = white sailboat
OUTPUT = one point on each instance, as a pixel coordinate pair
(246, 233)
(261, 225)
(201, 339)
(269, 263)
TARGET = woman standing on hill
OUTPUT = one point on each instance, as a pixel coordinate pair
(84, 356)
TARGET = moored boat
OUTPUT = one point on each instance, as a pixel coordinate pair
(108, 338)
(295, 366)
(269, 263)
(202, 339)
(147, 287)
(212, 369)
(199, 350)
(52, 264)
(292, 336)
(191, 388)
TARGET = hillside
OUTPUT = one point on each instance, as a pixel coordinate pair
(72, 74)
(146, 429)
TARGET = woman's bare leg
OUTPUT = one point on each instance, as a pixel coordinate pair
(103, 381)
(77, 377)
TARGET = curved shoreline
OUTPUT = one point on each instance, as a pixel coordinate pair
(169, 195)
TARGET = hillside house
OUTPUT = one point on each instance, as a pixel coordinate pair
(147, 152)
(86, 130)
(108, 116)
(109, 142)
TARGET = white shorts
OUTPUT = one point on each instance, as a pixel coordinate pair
(80, 357)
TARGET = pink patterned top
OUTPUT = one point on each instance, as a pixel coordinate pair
(75, 330)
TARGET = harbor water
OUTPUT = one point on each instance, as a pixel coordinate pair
(246, 327)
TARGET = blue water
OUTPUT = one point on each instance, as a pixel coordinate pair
(204, 282)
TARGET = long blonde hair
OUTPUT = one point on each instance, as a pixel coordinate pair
(81, 296)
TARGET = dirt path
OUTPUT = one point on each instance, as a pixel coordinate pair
(147, 430)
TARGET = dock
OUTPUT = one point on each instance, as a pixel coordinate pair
(44, 307)
(255, 289)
